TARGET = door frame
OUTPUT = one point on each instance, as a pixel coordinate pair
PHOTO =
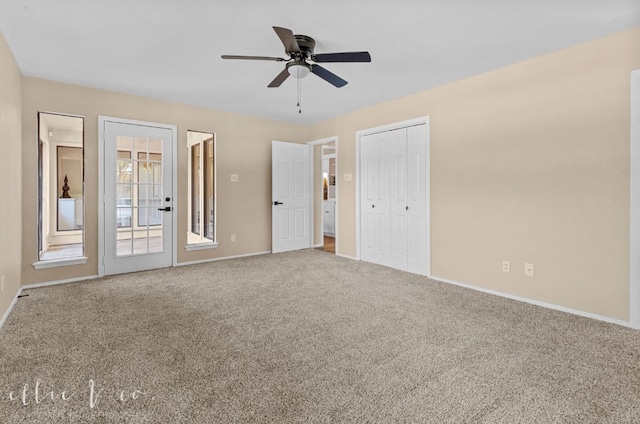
(310, 228)
(102, 120)
(323, 141)
(423, 120)
(634, 227)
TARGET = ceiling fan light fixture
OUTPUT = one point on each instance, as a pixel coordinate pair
(298, 70)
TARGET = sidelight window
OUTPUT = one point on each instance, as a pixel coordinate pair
(202, 201)
(60, 189)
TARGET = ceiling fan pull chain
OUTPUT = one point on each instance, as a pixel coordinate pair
(299, 94)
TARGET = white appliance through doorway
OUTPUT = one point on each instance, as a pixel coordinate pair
(137, 220)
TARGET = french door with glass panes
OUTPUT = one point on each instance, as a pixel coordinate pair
(138, 221)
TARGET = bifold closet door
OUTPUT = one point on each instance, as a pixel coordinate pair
(374, 200)
(418, 181)
(396, 141)
(393, 199)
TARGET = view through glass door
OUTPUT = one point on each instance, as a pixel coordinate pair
(138, 210)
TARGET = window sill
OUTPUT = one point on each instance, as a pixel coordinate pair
(54, 263)
(200, 246)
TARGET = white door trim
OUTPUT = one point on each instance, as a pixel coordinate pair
(313, 234)
(102, 120)
(389, 127)
(634, 222)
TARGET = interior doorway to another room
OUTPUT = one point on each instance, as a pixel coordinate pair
(329, 196)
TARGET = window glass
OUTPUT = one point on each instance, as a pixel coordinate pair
(60, 186)
(202, 199)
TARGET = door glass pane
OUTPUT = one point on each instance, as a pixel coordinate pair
(124, 244)
(139, 196)
(140, 242)
(150, 188)
(60, 186)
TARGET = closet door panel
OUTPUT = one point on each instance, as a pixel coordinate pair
(368, 198)
(418, 182)
(383, 203)
(397, 142)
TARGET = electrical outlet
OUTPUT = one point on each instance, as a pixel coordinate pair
(348, 177)
(528, 270)
(506, 266)
(234, 178)
(233, 237)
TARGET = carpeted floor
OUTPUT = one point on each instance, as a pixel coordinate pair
(307, 337)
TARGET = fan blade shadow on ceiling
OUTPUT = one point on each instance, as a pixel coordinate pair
(328, 76)
(288, 39)
(277, 81)
(342, 57)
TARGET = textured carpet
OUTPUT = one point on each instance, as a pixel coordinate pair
(307, 337)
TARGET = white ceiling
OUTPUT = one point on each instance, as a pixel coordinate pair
(169, 49)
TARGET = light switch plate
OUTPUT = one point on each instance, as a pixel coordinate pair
(234, 178)
(348, 177)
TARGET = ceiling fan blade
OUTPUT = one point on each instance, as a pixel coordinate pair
(342, 57)
(288, 39)
(282, 76)
(328, 76)
(231, 56)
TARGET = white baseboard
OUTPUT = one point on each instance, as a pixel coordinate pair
(13, 303)
(223, 258)
(318, 245)
(55, 283)
(536, 302)
(345, 256)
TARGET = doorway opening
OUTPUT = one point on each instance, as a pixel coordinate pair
(325, 194)
(329, 186)
(634, 236)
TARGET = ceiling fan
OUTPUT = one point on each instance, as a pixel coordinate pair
(302, 59)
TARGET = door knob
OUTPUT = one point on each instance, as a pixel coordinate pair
(276, 203)
(373, 206)
(167, 209)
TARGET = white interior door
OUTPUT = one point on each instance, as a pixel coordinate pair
(291, 196)
(138, 186)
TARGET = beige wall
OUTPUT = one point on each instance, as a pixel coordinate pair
(243, 148)
(10, 175)
(529, 163)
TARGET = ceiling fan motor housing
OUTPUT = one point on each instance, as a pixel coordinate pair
(306, 44)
